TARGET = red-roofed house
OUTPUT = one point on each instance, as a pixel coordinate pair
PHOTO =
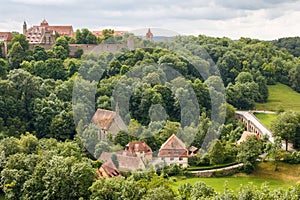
(45, 34)
(174, 151)
(139, 149)
(108, 122)
(4, 38)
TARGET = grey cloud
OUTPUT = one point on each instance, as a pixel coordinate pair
(254, 4)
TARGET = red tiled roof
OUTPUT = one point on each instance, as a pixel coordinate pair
(110, 169)
(138, 146)
(6, 36)
(62, 30)
(173, 147)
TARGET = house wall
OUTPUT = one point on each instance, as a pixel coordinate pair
(181, 161)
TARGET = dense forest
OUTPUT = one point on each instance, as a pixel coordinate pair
(190, 85)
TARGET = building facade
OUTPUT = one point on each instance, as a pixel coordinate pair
(173, 151)
(46, 34)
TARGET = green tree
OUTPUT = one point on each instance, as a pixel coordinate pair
(274, 151)
(244, 92)
(285, 126)
(16, 55)
(3, 68)
(216, 153)
(39, 53)
(200, 191)
(248, 152)
(84, 36)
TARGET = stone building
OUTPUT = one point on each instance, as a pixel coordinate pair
(45, 34)
(173, 151)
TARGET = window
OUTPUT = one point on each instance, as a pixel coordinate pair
(180, 158)
(171, 158)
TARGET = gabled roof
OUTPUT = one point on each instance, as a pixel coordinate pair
(173, 143)
(110, 169)
(104, 118)
(138, 146)
(62, 30)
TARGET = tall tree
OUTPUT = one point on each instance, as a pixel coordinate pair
(285, 126)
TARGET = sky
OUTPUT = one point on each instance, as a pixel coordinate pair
(261, 19)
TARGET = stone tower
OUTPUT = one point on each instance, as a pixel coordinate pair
(130, 43)
(24, 28)
(149, 34)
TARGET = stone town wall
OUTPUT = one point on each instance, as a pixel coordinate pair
(87, 48)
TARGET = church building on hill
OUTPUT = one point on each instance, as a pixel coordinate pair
(44, 33)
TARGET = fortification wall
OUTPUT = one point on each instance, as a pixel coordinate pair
(87, 48)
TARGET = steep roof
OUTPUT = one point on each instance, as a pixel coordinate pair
(62, 30)
(110, 169)
(104, 118)
(173, 143)
(138, 146)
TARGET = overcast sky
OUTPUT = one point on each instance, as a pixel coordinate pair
(262, 19)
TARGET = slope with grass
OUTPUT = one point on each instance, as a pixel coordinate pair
(280, 97)
(287, 175)
(265, 118)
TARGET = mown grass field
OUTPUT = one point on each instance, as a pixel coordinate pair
(280, 97)
(288, 175)
(266, 119)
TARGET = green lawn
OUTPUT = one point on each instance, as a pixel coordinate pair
(280, 97)
(266, 119)
(286, 176)
(234, 182)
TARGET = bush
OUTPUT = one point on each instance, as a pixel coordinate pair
(292, 158)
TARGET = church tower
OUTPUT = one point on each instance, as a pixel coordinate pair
(149, 34)
(24, 28)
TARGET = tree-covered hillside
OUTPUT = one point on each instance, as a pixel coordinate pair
(189, 86)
